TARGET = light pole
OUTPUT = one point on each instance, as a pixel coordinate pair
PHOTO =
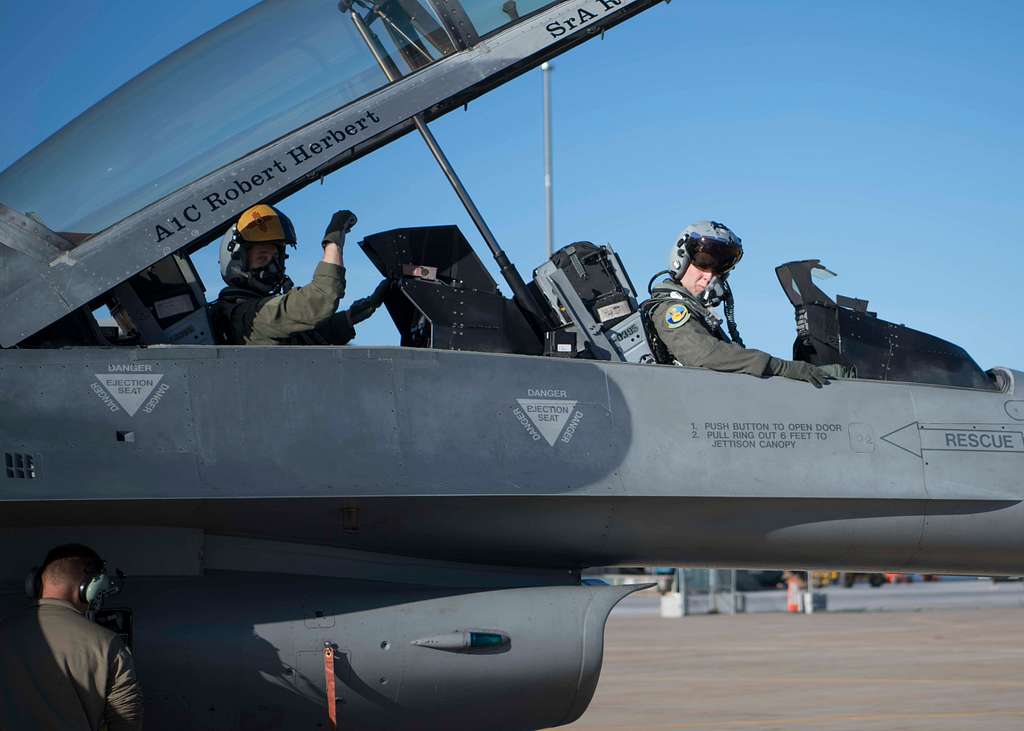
(546, 68)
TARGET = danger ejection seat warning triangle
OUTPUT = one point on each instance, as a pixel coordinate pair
(130, 390)
(549, 416)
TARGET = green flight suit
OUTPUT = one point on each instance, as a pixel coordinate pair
(303, 316)
(58, 670)
(694, 337)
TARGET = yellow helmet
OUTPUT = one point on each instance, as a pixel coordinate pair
(265, 224)
(260, 224)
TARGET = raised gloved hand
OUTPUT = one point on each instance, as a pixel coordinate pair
(798, 370)
(341, 223)
(363, 308)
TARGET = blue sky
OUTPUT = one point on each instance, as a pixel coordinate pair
(882, 138)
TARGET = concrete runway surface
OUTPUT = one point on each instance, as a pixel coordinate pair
(937, 670)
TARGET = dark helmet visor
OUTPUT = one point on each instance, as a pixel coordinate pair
(714, 255)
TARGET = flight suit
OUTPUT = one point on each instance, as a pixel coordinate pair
(58, 670)
(303, 316)
(694, 337)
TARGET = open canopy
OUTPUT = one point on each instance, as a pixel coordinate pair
(251, 111)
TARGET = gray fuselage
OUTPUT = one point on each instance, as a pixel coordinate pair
(515, 460)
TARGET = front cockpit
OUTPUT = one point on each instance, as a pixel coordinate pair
(844, 331)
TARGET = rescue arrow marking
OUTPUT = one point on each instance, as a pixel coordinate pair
(971, 438)
(907, 438)
(956, 438)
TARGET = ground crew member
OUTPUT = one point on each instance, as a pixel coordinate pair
(59, 670)
(681, 310)
(259, 306)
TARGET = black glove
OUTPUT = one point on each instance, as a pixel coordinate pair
(837, 370)
(798, 370)
(341, 223)
(363, 308)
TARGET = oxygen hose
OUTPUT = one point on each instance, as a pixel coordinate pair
(730, 315)
(650, 284)
(730, 306)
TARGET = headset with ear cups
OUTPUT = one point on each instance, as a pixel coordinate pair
(99, 586)
(96, 586)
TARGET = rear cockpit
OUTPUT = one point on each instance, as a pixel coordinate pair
(167, 162)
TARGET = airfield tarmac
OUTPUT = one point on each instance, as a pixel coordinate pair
(940, 667)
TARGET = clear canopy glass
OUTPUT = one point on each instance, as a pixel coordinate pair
(262, 74)
(247, 82)
(491, 15)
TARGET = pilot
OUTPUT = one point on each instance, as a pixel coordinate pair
(259, 306)
(58, 669)
(681, 310)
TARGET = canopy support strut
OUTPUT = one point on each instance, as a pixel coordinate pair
(520, 293)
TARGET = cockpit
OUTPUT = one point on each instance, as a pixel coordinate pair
(162, 167)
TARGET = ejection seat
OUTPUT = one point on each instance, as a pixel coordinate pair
(163, 304)
(446, 299)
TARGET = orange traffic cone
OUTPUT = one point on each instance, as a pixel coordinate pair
(793, 591)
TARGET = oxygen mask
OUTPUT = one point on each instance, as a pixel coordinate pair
(266, 272)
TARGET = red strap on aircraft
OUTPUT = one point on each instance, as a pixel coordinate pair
(332, 703)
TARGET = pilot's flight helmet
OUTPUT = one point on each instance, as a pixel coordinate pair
(709, 245)
(261, 224)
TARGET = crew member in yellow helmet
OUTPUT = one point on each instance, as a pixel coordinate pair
(260, 306)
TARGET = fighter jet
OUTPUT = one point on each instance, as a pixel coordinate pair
(393, 537)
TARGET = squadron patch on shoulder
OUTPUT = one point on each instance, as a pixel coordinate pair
(676, 316)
